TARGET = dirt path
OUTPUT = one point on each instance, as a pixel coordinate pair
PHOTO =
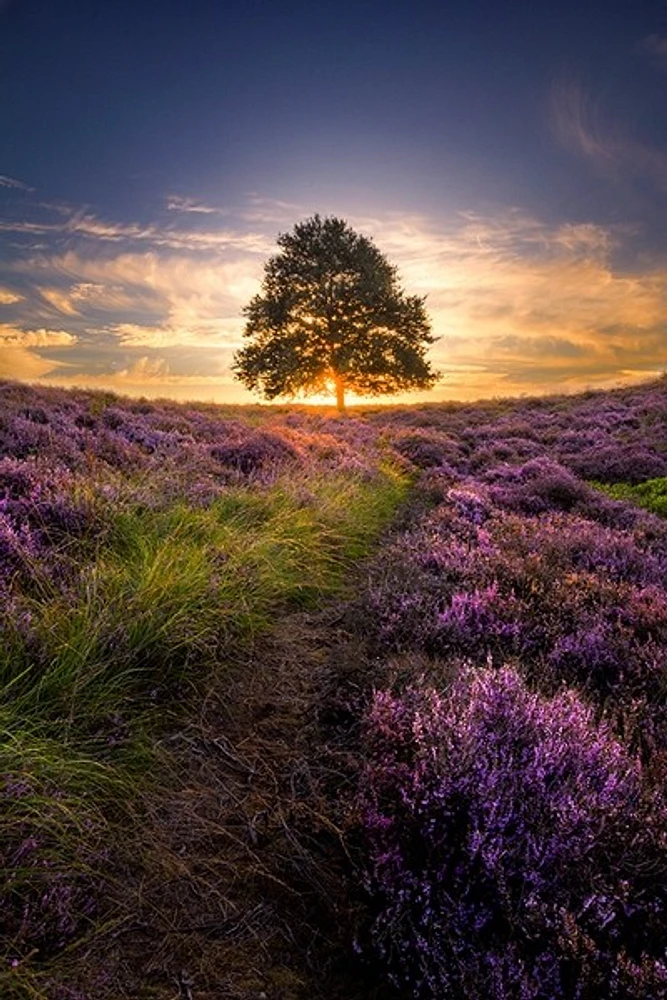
(245, 890)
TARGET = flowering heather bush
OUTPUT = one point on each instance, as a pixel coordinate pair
(18, 552)
(607, 436)
(52, 848)
(100, 434)
(504, 450)
(618, 463)
(510, 834)
(47, 498)
(426, 450)
(481, 619)
(42, 510)
(570, 544)
(537, 486)
(253, 451)
(470, 504)
(576, 601)
(511, 848)
(139, 539)
(542, 486)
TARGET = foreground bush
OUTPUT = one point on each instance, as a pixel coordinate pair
(512, 849)
(575, 601)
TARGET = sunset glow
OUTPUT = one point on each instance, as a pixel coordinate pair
(526, 207)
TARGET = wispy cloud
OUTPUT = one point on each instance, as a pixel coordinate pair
(579, 123)
(655, 47)
(177, 204)
(209, 334)
(79, 298)
(102, 297)
(23, 363)
(188, 293)
(153, 377)
(60, 300)
(86, 226)
(8, 298)
(270, 211)
(12, 182)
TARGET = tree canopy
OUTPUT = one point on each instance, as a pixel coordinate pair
(332, 314)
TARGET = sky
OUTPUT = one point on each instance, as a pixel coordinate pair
(509, 158)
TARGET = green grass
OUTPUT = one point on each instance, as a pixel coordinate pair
(651, 495)
(167, 596)
(171, 590)
(56, 830)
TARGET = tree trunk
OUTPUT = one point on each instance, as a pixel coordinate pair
(340, 393)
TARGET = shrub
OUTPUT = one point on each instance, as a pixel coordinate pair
(570, 596)
(613, 463)
(18, 552)
(537, 487)
(41, 507)
(476, 621)
(426, 450)
(511, 848)
(253, 451)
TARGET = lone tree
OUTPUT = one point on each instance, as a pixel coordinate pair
(332, 313)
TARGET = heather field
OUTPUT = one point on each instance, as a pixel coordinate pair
(306, 706)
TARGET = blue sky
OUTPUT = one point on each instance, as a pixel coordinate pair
(510, 159)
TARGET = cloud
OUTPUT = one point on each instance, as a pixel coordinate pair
(154, 378)
(86, 297)
(11, 182)
(144, 301)
(22, 364)
(518, 304)
(144, 370)
(655, 47)
(584, 239)
(160, 371)
(89, 228)
(528, 348)
(136, 335)
(19, 357)
(213, 333)
(8, 298)
(579, 125)
(271, 211)
(576, 118)
(11, 336)
(59, 300)
(536, 304)
(177, 204)
(169, 239)
(104, 297)
(203, 299)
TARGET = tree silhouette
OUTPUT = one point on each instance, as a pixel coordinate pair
(331, 313)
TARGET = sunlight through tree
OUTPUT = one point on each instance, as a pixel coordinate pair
(332, 316)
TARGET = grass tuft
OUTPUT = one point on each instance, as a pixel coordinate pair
(652, 495)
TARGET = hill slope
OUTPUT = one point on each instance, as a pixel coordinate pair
(246, 751)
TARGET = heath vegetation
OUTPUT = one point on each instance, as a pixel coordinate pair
(309, 706)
